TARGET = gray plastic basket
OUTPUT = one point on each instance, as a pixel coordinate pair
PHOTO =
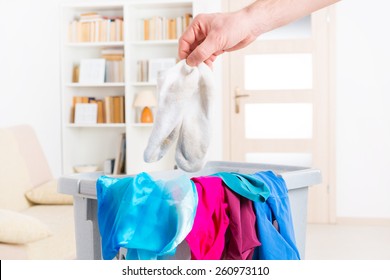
(83, 188)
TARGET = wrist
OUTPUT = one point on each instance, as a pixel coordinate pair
(257, 17)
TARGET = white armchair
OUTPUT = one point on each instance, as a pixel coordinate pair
(36, 222)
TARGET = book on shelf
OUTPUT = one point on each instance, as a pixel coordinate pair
(172, 29)
(100, 110)
(108, 166)
(147, 70)
(85, 113)
(107, 69)
(90, 16)
(187, 20)
(146, 29)
(81, 99)
(75, 73)
(157, 65)
(118, 109)
(120, 159)
(163, 28)
(101, 117)
(114, 72)
(142, 71)
(114, 107)
(76, 100)
(94, 27)
(92, 71)
(111, 109)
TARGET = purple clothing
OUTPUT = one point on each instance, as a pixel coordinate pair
(241, 236)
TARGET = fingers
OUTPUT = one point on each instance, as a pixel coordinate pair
(192, 36)
(209, 63)
(185, 44)
(197, 44)
(202, 52)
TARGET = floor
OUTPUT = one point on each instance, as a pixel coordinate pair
(347, 242)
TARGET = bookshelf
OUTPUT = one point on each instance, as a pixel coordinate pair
(155, 42)
(83, 40)
(96, 85)
(95, 44)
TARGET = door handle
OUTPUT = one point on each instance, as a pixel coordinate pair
(237, 95)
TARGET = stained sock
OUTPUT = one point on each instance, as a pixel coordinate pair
(183, 113)
(195, 132)
(175, 87)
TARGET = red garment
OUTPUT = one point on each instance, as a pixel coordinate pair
(241, 237)
(207, 237)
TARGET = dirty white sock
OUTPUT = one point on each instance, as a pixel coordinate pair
(175, 87)
(195, 132)
(183, 112)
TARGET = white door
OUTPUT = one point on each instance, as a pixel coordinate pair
(277, 106)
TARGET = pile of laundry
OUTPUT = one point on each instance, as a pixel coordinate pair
(225, 215)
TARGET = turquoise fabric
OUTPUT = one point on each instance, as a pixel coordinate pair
(148, 217)
(248, 186)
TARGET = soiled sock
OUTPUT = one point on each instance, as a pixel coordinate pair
(194, 138)
(175, 87)
(185, 95)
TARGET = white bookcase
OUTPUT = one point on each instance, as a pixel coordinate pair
(95, 143)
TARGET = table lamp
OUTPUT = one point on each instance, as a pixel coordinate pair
(145, 99)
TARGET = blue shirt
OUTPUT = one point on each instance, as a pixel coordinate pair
(275, 244)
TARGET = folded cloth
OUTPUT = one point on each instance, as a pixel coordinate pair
(183, 114)
(149, 218)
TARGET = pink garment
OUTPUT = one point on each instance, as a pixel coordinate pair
(241, 236)
(207, 237)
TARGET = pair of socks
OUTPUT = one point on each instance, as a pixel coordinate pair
(183, 114)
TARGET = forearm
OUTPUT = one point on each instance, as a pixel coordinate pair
(266, 15)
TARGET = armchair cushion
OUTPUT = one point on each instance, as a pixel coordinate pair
(17, 228)
(47, 194)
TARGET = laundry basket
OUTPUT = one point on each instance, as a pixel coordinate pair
(83, 188)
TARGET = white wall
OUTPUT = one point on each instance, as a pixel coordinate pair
(363, 108)
(29, 71)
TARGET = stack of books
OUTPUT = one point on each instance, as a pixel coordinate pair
(111, 109)
(114, 72)
(93, 27)
(107, 69)
(148, 70)
(162, 28)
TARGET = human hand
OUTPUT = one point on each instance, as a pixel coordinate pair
(210, 35)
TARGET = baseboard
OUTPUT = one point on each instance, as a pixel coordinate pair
(363, 221)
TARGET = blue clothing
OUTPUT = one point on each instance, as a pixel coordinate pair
(149, 218)
(275, 245)
(248, 186)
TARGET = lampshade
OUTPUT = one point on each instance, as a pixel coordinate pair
(145, 98)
